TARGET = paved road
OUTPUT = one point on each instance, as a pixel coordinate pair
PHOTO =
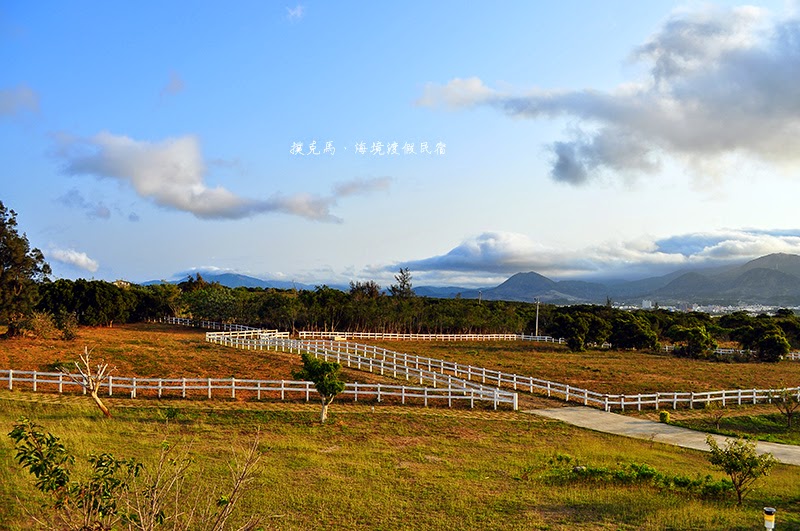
(595, 419)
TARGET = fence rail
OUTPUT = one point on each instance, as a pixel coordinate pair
(258, 389)
(405, 365)
(390, 336)
(210, 325)
(370, 358)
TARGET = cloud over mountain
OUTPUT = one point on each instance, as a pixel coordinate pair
(503, 253)
(172, 174)
(721, 84)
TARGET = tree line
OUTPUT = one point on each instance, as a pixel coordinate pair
(367, 308)
(30, 300)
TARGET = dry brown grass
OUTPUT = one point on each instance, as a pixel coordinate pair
(155, 350)
(614, 372)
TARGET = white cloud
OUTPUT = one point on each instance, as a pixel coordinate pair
(361, 186)
(493, 254)
(17, 100)
(722, 84)
(171, 173)
(457, 93)
(74, 258)
(296, 13)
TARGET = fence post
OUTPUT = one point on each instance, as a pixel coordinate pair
(233, 387)
(60, 383)
(355, 395)
(10, 379)
(159, 388)
(403, 395)
(379, 393)
(283, 390)
(622, 402)
(183, 388)
(133, 388)
(425, 394)
(34, 381)
(110, 385)
(691, 400)
(209, 388)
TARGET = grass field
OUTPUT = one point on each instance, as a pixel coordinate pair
(397, 468)
(388, 467)
(615, 372)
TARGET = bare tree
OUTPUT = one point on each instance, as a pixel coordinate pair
(165, 498)
(91, 380)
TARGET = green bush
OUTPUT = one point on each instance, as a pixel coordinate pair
(663, 416)
(40, 325)
(563, 468)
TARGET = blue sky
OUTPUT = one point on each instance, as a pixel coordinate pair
(576, 139)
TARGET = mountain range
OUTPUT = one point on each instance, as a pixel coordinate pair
(769, 280)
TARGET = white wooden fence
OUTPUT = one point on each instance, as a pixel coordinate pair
(389, 336)
(394, 363)
(372, 359)
(210, 325)
(258, 389)
(791, 356)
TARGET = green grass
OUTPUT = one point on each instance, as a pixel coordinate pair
(769, 427)
(396, 468)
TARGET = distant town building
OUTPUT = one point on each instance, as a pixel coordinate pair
(647, 304)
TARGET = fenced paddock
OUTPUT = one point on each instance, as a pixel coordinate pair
(372, 359)
(247, 389)
(208, 325)
(396, 364)
(388, 336)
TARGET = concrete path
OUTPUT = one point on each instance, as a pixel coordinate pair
(595, 419)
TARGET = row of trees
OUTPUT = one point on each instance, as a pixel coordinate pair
(365, 307)
(25, 288)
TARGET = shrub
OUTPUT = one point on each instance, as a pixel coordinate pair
(40, 324)
(663, 416)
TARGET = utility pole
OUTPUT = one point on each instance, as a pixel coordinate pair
(537, 316)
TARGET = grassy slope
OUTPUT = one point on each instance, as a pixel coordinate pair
(391, 468)
(396, 468)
